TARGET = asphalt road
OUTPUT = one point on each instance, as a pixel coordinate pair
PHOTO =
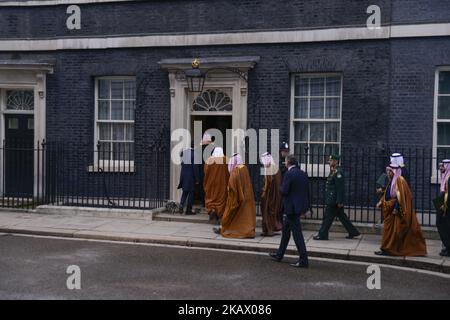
(35, 268)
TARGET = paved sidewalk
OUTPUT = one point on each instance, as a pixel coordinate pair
(145, 230)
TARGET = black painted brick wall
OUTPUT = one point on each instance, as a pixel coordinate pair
(388, 91)
(413, 66)
(195, 16)
(420, 11)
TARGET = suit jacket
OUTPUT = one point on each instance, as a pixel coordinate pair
(189, 177)
(295, 192)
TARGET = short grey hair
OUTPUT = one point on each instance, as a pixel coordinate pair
(291, 160)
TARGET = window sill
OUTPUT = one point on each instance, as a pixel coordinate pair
(112, 169)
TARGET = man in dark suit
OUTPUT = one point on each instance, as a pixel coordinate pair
(189, 180)
(295, 192)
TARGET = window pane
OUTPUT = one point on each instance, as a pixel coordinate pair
(444, 82)
(316, 111)
(317, 86)
(128, 152)
(116, 110)
(301, 108)
(332, 132)
(301, 131)
(104, 149)
(130, 106)
(104, 131)
(443, 153)
(129, 132)
(300, 152)
(332, 109)
(103, 89)
(103, 110)
(444, 108)
(301, 86)
(331, 149)
(333, 86)
(443, 134)
(118, 131)
(116, 89)
(130, 89)
(316, 153)
(121, 151)
(13, 123)
(316, 132)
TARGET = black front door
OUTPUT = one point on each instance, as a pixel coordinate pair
(221, 123)
(18, 151)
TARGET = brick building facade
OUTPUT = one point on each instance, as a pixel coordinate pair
(315, 71)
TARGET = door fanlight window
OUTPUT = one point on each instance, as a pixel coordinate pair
(20, 100)
(213, 100)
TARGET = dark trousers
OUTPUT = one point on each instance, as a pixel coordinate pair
(291, 223)
(331, 213)
(187, 196)
(443, 226)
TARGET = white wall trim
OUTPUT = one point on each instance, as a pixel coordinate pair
(37, 3)
(231, 38)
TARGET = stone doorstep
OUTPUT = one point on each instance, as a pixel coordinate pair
(98, 212)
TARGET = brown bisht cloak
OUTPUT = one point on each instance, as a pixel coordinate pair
(402, 235)
(215, 184)
(271, 204)
(239, 218)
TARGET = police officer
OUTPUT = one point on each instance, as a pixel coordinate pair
(334, 200)
(284, 152)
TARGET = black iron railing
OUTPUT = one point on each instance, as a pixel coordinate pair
(79, 176)
(362, 167)
(120, 177)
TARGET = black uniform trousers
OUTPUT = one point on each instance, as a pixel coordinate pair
(443, 226)
(291, 223)
(331, 212)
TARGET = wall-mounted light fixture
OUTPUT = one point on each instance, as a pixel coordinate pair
(195, 77)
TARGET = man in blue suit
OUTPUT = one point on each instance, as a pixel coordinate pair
(189, 180)
(295, 192)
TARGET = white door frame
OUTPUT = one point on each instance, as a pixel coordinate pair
(26, 76)
(219, 78)
(180, 115)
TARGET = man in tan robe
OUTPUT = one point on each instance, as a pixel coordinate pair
(271, 197)
(402, 235)
(239, 218)
(215, 185)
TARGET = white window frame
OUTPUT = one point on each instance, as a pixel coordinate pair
(315, 170)
(110, 165)
(436, 175)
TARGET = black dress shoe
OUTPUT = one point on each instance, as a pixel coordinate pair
(444, 253)
(299, 264)
(382, 253)
(350, 236)
(189, 213)
(275, 256)
(319, 238)
(216, 230)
